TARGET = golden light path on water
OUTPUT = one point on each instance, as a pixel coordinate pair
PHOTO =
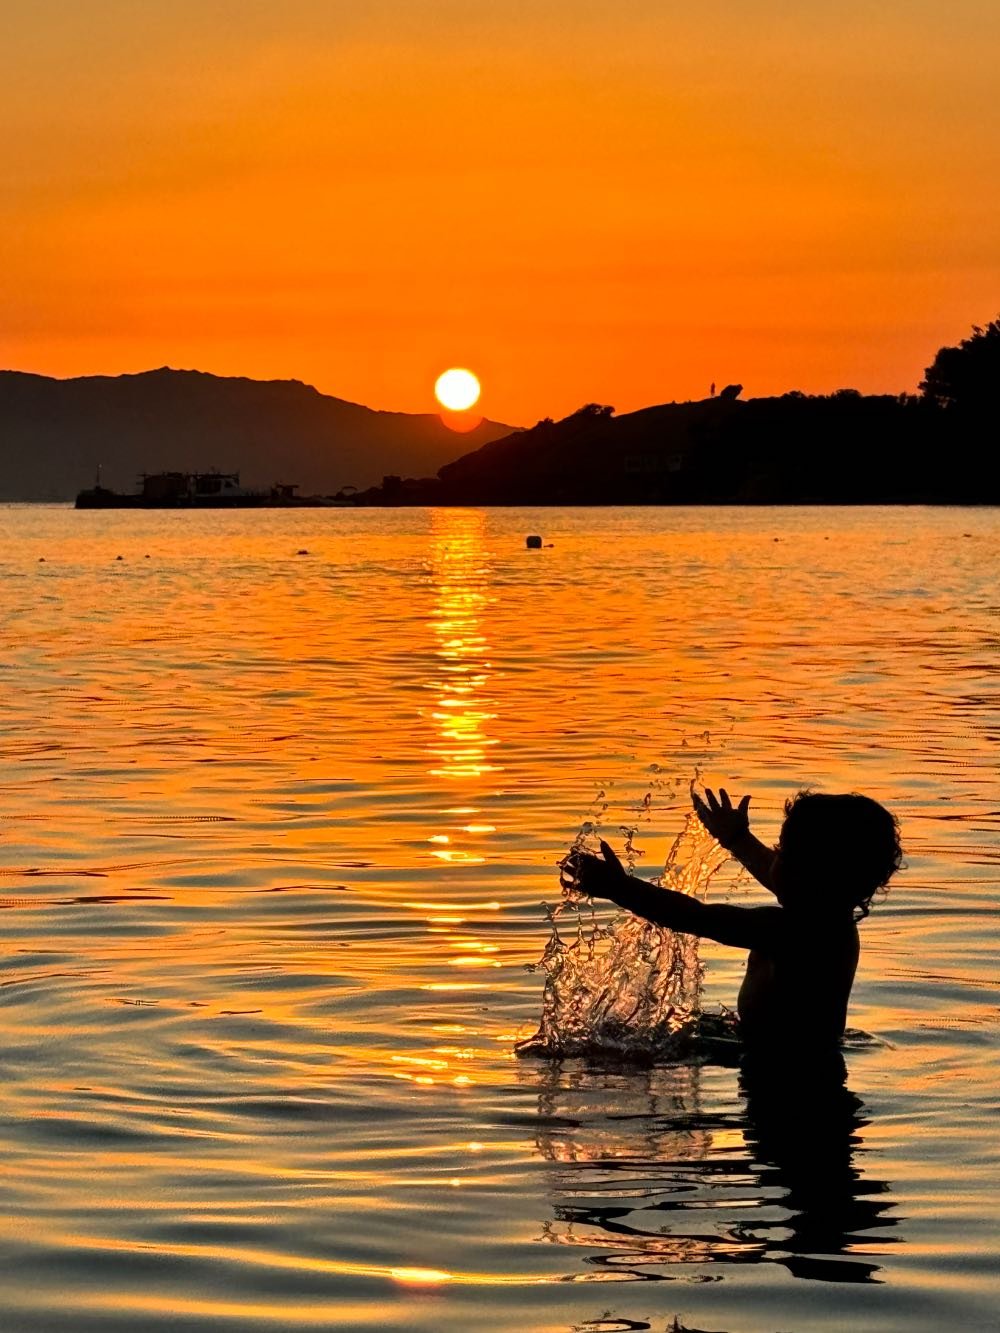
(275, 837)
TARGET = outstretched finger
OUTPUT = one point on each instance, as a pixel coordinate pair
(727, 804)
(744, 805)
(701, 810)
(610, 856)
(713, 804)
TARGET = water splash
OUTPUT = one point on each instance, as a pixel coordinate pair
(627, 988)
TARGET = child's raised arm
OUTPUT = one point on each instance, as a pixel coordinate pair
(740, 927)
(730, 827)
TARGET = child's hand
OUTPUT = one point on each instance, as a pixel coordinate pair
(725, 824)
(597, 877)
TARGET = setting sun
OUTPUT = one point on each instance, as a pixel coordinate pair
(457, 390)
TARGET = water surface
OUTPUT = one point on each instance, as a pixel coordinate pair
(283, 794)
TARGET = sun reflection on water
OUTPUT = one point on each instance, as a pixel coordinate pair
(420, 1276)
(460, 571)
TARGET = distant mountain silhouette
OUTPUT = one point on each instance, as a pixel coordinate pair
(54, 433)
(842, 448)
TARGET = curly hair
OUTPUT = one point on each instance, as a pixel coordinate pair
(849, 841)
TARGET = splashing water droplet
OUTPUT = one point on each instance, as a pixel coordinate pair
(627, 989)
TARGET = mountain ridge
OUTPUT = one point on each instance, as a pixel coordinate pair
(839, 448)
(54, 433)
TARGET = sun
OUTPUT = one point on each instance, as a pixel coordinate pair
(457, 390)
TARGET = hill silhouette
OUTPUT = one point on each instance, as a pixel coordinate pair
(839, 448)
(54, 433)
(842, 448)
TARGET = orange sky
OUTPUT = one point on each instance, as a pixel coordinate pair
(578, 200)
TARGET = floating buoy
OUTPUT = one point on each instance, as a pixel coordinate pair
(302, 552)
(533, 543)
(41, 559)
(119, 557)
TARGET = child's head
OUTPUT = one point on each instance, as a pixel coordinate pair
(838, 848)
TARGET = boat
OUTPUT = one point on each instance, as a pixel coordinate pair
(202, 490)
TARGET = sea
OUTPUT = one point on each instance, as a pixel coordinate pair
(283, 795)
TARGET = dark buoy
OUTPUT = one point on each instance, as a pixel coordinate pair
(533, 543)
(41, 559)
(302, 552)
(119, 557)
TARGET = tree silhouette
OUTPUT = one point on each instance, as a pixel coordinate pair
(966, 377)
(594, 410)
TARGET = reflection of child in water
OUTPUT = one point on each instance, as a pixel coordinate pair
(833, 854)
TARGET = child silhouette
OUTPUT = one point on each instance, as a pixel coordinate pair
(833, 854)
